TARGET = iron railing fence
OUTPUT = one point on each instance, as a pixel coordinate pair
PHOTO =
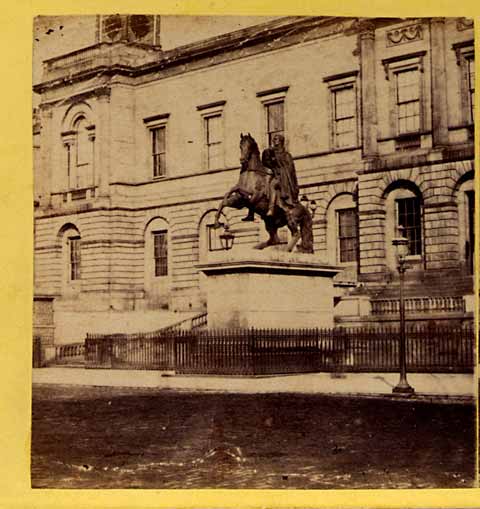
(276, 351)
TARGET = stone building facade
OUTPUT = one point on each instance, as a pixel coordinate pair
(136, 144)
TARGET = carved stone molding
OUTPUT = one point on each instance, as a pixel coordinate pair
(406, 34)
(363, 27)
(462, 49)
(102, 92)
(68, 138)
(464, 24)
(402, 60)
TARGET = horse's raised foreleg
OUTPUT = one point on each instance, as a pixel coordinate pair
(227, 201)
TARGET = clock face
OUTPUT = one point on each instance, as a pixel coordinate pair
(140, 25)
(113, 27)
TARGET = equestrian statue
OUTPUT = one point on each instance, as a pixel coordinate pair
(269, 188)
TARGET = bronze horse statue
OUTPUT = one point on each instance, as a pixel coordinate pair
(253, 191)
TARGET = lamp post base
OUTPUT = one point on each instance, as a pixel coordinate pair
(403, 389)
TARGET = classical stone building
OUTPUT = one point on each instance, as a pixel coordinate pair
(136, 143)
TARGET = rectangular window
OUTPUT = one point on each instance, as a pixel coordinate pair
(343, 110)
(409, 216)
(213, 236)
(344, 117)
(347, 235)
(74, 249)
(471, 87)
(408, 101)
(465, 57)
(160, 253)
(214, 141)
(275, 114)
(159, 151)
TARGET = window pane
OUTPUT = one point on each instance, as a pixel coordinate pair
(409, 216)
(158, 140)
(471, 73)
(214, 125)
(471, 86)
(74, 248)
(347, 235)
(344, 103)
(159, 151)
(83, 144)
(159, 166)
(275, 117)
(160, 253)
(408, 101)
(345, 128)
(214, 138)
(215, 156)
(408, 85)
(345, 140)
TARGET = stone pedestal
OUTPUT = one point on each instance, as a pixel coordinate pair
(268, 289)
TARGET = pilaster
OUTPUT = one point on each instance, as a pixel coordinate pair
(369, 88)
(46, 144)
(104, 146)
(439, 83)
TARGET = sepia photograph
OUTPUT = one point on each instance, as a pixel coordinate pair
(253, 252)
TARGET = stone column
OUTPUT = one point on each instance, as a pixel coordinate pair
(439, 83)
(369, 87)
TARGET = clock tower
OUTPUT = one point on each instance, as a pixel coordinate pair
(136, 28)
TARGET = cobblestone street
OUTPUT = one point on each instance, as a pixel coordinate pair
(92, 437)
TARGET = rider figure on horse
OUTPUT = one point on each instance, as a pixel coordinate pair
(283, 183)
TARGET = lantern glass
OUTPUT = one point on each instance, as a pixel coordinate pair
(401, 244)
(227, 238)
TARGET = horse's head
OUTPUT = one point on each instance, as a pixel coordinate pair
(248, 146)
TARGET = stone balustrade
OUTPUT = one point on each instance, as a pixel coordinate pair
(419, 305)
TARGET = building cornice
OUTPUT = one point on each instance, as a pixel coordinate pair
(97, 92)
(272, 35)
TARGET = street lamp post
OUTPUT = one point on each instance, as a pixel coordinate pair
(401, 246)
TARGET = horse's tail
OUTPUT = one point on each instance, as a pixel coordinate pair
(306, 230)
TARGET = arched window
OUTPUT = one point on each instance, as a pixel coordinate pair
(78, 138)
(404, 208)
(466, 228)
(160, 253)
(71, 258)
(83, 155)
(342, 230)
(157, 262)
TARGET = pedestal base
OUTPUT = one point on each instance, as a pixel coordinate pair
(269, 289)
(403, 389)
